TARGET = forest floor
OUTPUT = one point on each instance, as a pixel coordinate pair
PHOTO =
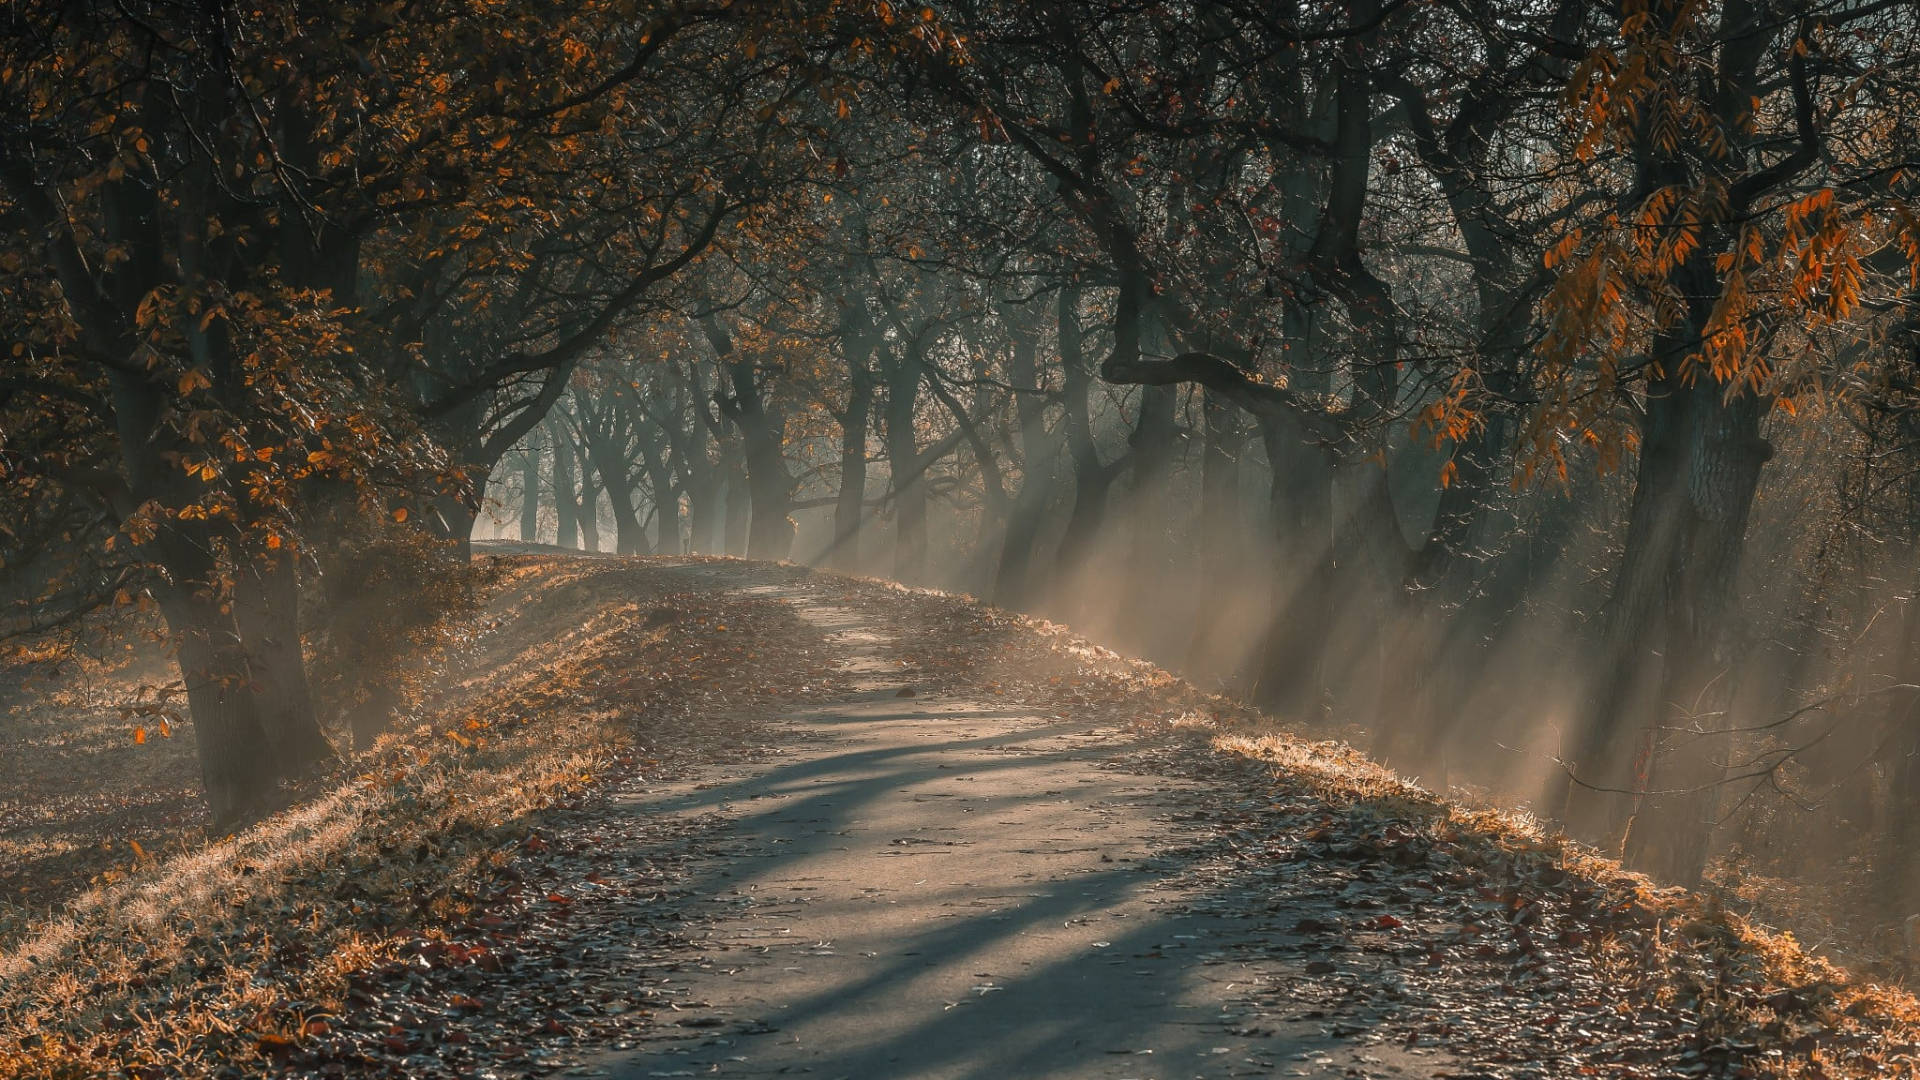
(688, 817)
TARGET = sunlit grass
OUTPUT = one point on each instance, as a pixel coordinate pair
(181, 966)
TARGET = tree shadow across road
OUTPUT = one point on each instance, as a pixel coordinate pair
(1001, 900)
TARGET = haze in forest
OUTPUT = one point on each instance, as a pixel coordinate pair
(1524, 392)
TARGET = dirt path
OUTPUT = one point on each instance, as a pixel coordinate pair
(941, 886)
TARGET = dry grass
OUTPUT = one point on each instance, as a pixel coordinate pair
(210, 962)
(76, 791)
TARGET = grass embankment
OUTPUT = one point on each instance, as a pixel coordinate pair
(1745, 1000)
(237, 955)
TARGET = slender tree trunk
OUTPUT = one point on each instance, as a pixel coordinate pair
(1288, 673)
(529, 497)
(704, 477)
(1221, 546)
(909, 479)
(1092, 480)
(630, 537)
(706, 514)
(566, 508)
(1012, 587)
(763, 433)
(739, 509)
(849, 508)
(589, 499)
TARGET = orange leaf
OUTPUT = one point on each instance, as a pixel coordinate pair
(275, 1044)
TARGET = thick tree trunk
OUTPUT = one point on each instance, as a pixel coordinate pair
(454, 516)
(237, 769)
(238, 766)
(630, 534)
(1673, 822)
(1897, 867)
(1154, 440)
(770, 494)
(266, 606)
(1444, 618)
(666, 501)
(1668, 642)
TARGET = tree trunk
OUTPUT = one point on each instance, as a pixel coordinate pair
(739, 510)
(763, 432)
(1220, 528)
(909, 479)
(1154, 440)
(666, 502)
(238, 767)
(630, 537)
(704, 478)
(1011, 585)
(706, 515)
(849, 507)
(1897, 868)
(566, 509)
(457, 516)
(1668, 646)
(589, 499)
(266, 606)
(1673, 822)
(1092, 480)
(529, 497)
(1288, 665)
